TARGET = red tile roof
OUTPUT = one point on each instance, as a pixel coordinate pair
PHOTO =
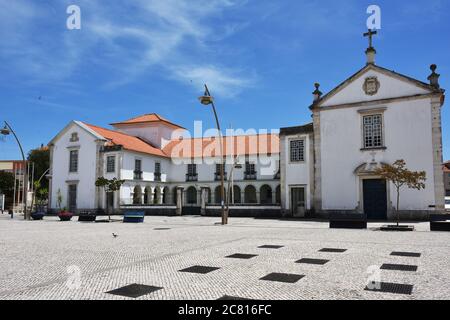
(126, 141)
(264, 144)
(147, 118)
(446, 166)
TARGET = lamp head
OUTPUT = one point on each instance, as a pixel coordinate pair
(206, 100)
(5, 131)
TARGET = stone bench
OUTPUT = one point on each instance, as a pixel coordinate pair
(87, 216)
(133, 216)
(440, 222)
(348, 221)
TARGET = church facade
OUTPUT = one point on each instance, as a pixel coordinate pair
(325, 167)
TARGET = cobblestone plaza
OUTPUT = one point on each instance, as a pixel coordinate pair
(194, 258)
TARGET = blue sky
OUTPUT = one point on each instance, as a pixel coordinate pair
(259, 57)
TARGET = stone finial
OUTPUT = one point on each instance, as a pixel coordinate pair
(370, 54)
(434, 77)
(317, 93)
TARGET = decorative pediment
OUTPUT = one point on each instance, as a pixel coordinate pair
(368, 168)
(373, 83)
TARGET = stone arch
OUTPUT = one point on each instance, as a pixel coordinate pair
(236, 194)
(191, 195)
(208, 195)
(137, 195)
(250, 195)
(148, 195)
(278, 195)
(218, 195)
(174, 195)
(266, 194)
(157, 195)
(166, 196)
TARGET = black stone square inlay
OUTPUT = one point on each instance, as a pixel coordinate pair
(270, 247)
(332, 250)
(231, 298)
(313, 261)
(283, 277)
(200, 269)
(390, 288)
(242, 256)
(406, 254)
(134, 290)
(399, 267)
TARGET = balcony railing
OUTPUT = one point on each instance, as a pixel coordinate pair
(217, 176)
(137, 175)
(191, 177)
(249, 175)
(157, 176)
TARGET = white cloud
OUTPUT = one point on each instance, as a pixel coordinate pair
(126, 39)
(221, 81)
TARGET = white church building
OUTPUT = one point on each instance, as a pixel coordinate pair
(326, 167)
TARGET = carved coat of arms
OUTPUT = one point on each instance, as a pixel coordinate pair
(371, 86)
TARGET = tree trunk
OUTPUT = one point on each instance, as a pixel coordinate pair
(107, 206)
(398, 206)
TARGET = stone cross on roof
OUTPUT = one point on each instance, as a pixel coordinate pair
(370, 34)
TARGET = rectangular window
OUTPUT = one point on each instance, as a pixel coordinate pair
(192, 170)
(373, 131)
(191, 174)
(137, 165)
(250, 171)
(297, 150)
(250, 168)
(73, 162)
(157, 173)
(137, 169)
(111, 164)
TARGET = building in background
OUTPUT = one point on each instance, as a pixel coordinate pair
(446, 168)
(376, 116)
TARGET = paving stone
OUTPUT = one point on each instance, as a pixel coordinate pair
(283, 277)
(333, 250)
(395, 288)
(406, 254)
(313, 261)
(134, 290)
(199, 269)
(41, 259)
(398, 267)
(242, 256)
(268, 246)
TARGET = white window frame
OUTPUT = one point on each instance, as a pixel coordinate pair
(114, 164)
(302, 155)
(77, 160)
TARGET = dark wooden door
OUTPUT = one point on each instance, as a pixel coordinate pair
(375, 199)
(72, 198)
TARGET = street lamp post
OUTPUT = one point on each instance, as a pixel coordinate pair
(206, 100)
(230, 191)
(6, 131)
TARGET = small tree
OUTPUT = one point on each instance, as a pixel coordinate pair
(400, 176)
(110, 186)
(59, 199)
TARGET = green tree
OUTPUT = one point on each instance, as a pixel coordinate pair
(400, 176)
(41, 159)
(7, 186)
(110, 186)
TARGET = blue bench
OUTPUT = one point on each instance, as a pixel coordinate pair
(133, 216)
(440, 222)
